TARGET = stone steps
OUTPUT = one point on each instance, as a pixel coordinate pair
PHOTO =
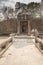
(22, 42)
(24, 37)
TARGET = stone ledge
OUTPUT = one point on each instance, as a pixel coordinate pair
(4, 46)
(39, 44)
(5, 42)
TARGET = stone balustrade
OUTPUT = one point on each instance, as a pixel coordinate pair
(39, 44)
(4, 45)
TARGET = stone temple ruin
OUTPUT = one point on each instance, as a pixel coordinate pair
(23, 23)
(23, 31)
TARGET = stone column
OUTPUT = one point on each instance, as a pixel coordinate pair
(29, 30)
(18, 27)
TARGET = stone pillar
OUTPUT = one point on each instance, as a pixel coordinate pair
(18, 27)
(29, 30)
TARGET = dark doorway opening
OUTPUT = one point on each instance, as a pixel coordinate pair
(24, 27)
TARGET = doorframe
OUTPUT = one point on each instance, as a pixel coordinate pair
(21, 22)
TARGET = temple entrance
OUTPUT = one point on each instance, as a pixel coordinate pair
(24, 27)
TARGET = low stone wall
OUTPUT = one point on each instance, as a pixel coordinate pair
(40, 36)
(4, 45)
(39, 44)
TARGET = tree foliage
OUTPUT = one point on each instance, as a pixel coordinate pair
(7, 11)
(20, 5)
(31, 5)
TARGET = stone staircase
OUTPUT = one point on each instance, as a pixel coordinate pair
(23, 37)
(22, 41)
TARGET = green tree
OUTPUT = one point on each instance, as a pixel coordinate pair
(33, 5)
(7, 12)
(17, 6)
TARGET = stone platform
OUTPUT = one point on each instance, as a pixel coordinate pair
(22, 52)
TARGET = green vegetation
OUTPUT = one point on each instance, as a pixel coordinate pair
(31, 6)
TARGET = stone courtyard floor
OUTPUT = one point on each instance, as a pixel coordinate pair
(22, 52)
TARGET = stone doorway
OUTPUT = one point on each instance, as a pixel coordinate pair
(24, 27)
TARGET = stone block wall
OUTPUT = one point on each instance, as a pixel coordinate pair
(37, 24)
(8, 26)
